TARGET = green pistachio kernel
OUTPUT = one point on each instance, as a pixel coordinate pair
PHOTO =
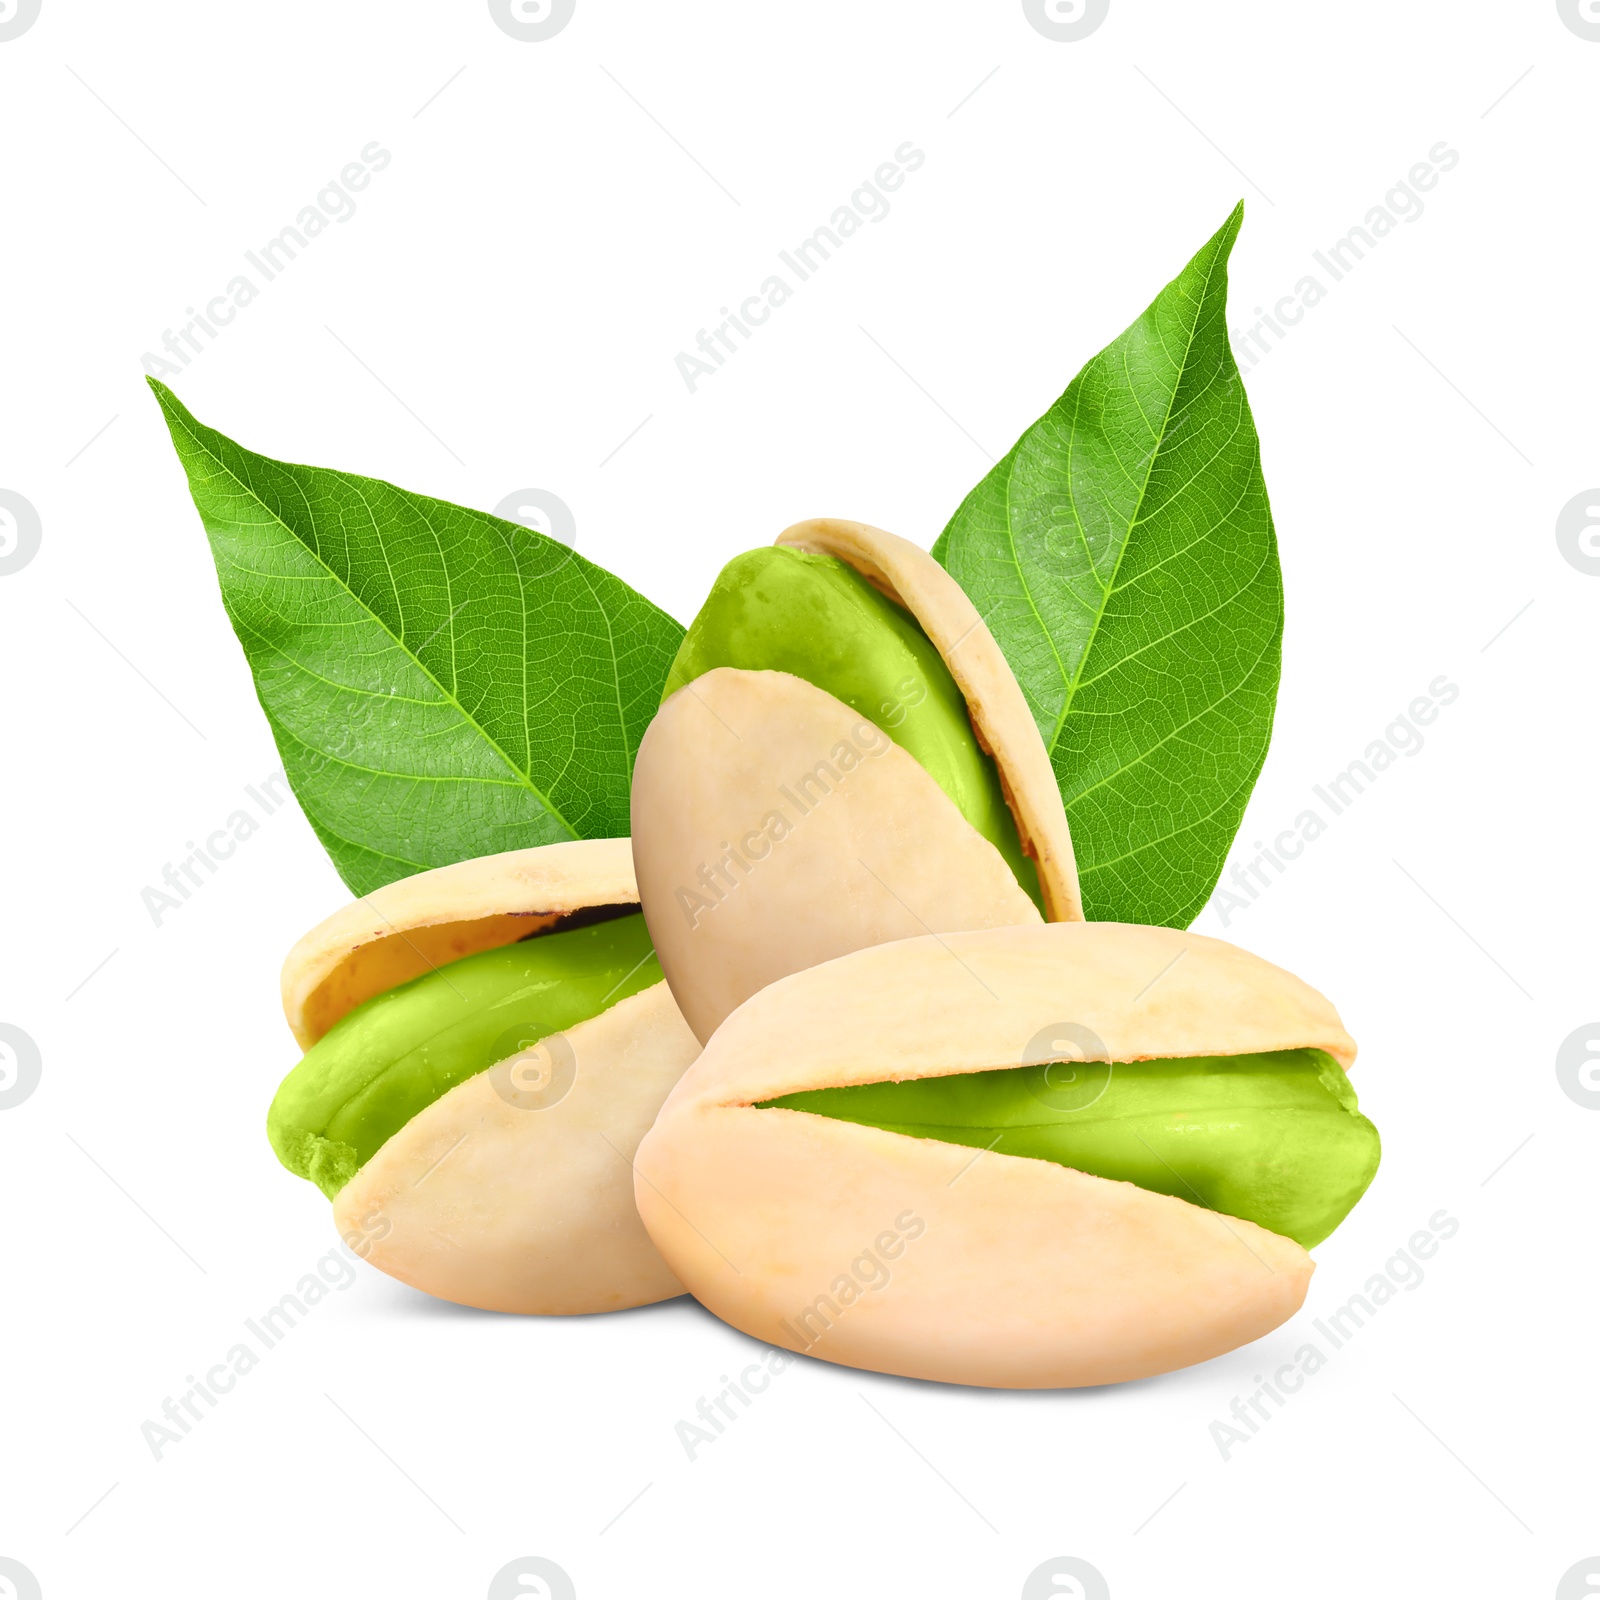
(1276, 1138)
(783, 610)
(395, 1054)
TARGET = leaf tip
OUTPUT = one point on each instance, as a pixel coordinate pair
(1227, 235)
(170, 404)
(174, 412)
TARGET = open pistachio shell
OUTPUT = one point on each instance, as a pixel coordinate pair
(417, 924)
(931, 1260)
(1000, 717)
(775, 828)
(478, 1201)
(489, 1197)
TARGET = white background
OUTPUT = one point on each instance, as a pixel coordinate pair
(521, 277)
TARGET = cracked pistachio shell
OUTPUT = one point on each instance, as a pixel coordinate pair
(842, 839)
(930, 1260)
(475, 1199)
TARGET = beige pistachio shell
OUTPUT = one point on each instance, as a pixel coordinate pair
(530, 1210)
(404, 929)
(931, 1260)
(1004, 726)
(477, 1199)
(775, 828)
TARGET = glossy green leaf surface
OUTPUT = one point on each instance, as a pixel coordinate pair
(441, 683)
(1124, 557)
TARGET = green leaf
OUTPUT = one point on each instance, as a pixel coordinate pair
(441, 683)
(1123, 555)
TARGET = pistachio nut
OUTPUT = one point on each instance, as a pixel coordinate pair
(1027, 1157)
(485, 1045)
(842, 757)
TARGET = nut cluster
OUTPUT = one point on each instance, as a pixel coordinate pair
(855, 872)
